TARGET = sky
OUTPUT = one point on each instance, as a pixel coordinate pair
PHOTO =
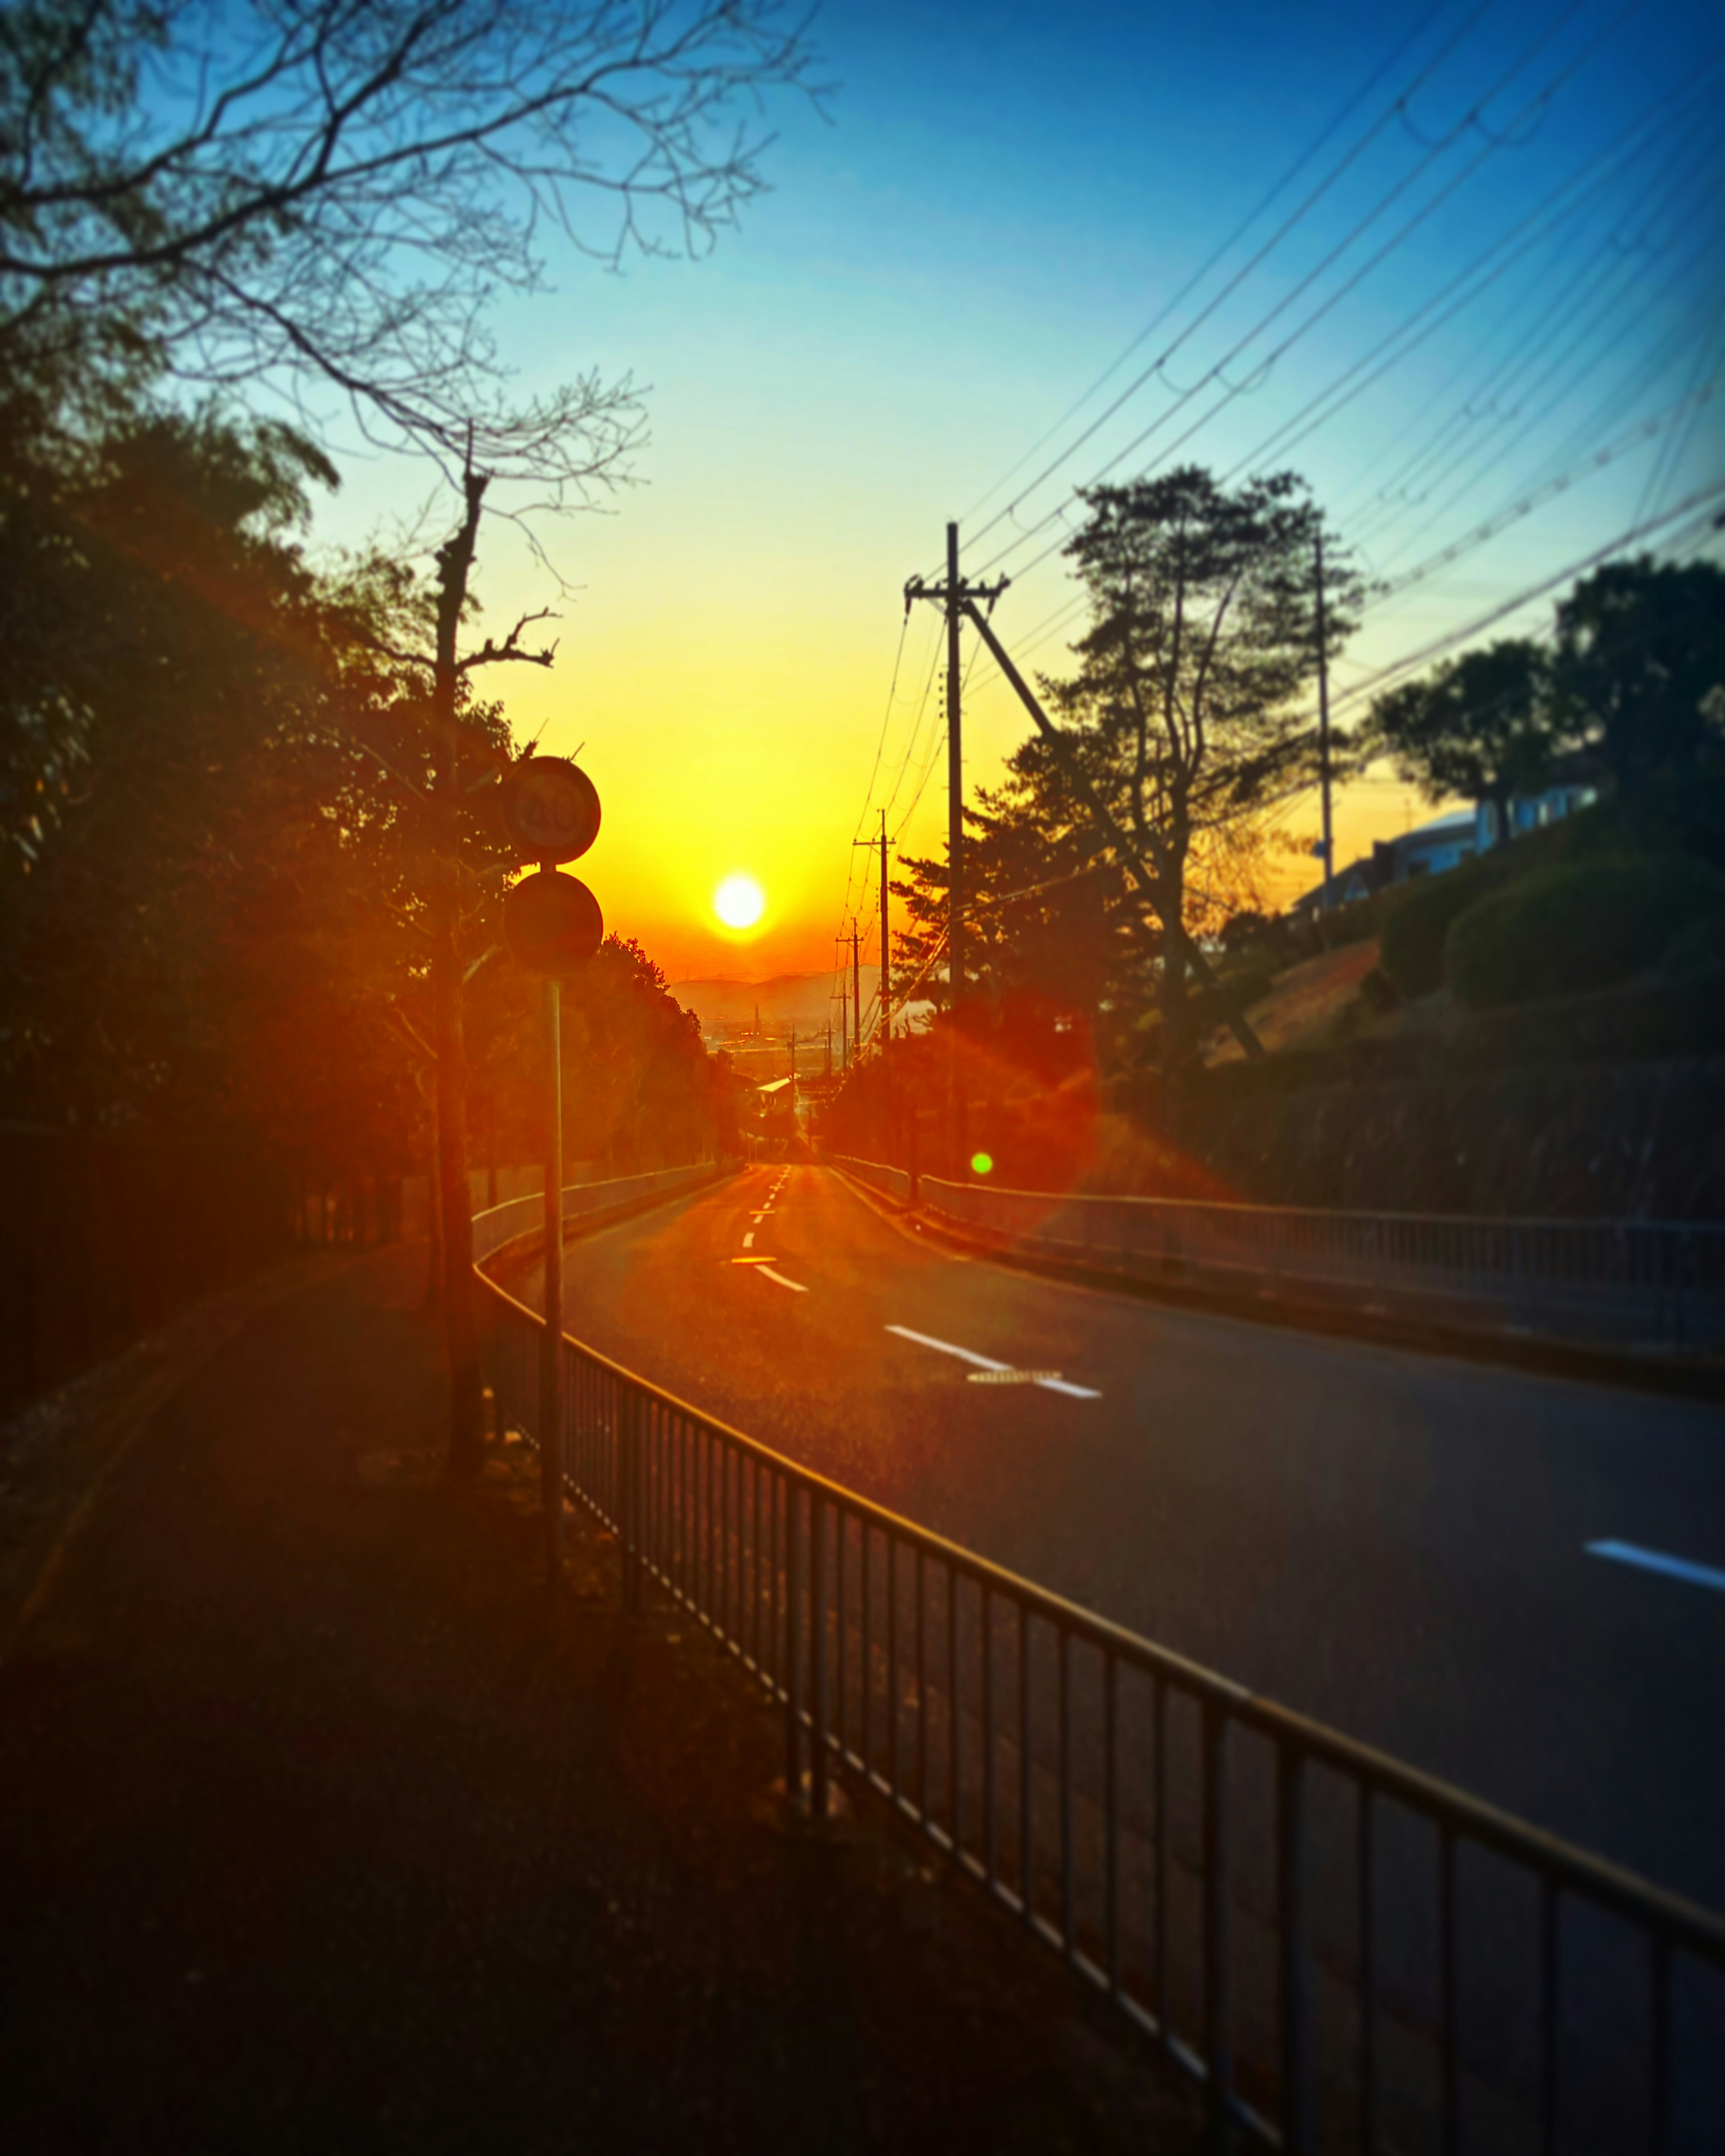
(1477, 243)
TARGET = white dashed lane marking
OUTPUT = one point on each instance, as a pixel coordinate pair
(1048, 1380)
(1647, 1560)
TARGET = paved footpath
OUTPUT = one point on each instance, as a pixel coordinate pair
(322, 1827)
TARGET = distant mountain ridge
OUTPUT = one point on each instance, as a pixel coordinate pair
(785, 1000)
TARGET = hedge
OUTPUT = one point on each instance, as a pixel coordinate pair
(1418, 921)
(1567, 930)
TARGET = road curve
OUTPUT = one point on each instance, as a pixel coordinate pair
(1393, 1542)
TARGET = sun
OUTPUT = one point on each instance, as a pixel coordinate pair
(739, 901)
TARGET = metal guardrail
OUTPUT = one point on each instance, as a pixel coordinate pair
(1633, 1284)
(525, 1216)
(890, 1182)
(1342, 1951)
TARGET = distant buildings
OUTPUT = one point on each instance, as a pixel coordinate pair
(1448, 841)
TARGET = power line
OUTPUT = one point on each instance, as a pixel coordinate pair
(1600, 461)
(1216, 373)
(1567, 373)
(1459, 292)
(1434, 650)
(1384, 120)
(1071, 608)
(1218, 254)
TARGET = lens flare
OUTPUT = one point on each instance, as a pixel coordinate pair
(982, 1163)
(739, 901)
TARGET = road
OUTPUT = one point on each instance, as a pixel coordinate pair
(1393, 1542)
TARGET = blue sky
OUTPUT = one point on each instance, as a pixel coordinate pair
(998, 201)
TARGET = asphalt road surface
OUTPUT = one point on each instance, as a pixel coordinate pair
(1393, 1542)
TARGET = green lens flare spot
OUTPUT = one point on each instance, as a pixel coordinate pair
(982, 1163)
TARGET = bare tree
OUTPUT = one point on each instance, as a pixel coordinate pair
(578, 445)
(329, 194)
(332, 192)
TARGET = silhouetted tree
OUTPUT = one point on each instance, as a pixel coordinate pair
(1639, 667)
(1481, 726)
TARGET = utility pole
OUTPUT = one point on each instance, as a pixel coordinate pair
(886, 1026)
(844, 1018)
(955, 785)
(953, 596)
(885, 951)
(829, 1048)
(1328, 900)
(856, 991)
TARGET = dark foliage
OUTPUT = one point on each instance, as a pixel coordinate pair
(1578, 926)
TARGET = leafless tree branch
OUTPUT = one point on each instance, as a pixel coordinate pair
(331, 192)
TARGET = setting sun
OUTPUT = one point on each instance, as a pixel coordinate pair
(739, 901)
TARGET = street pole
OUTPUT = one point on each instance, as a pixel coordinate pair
(956, 597)
(855, 990)
(885, 951)
(1323, 735)
(955, 847)
(551, 1338)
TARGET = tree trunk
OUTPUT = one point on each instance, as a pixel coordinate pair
(433, 1299)
(1176, 1011)
(466, 1453)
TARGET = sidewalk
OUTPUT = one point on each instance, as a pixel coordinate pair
(325, 1828)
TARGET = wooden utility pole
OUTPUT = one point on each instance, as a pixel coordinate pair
(884, 1028)
(856, 991)
(954, 596)
(1323, 735)
(955, 796)
(454, 566)
(885, 951)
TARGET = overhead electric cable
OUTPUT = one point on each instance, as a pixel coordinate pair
(1451, 298)
(1714, 491)
(1566, 366)
(1648, 430)
(1310, 202)
(1348, 284)
(1218, 254)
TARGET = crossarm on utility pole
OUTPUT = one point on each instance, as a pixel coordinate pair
(1202, 969)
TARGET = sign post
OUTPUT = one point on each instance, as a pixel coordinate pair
(551, 1340)
(553, 926)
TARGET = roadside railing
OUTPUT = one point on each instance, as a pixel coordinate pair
(890, 1182)
(525, 1216)
(1342, 1951)
(1645, 1284)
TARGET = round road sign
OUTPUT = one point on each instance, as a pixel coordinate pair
(553, 923)
(551, 809)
